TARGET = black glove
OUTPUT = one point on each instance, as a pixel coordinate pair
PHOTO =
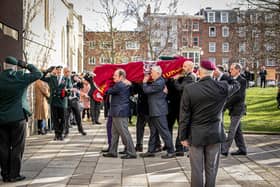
(22, 64)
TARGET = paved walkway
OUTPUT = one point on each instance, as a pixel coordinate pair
(77, 162)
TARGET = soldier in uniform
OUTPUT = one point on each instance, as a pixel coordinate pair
(59, 87)
(13, 116)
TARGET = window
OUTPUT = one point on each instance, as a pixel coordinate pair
(212, 47)
(224, 17)
(268, 17)
(212, 31)
(169, 44)
(195, 41)
(242, 61)
(211, 17)
(242, 47)
(241, 32)
(184, 41)
(225, 62)
(132, 45)
(136, 58)
(105, 60)
(241, 17)
(185, 25)
(195, 26)
(91, 60)
(92, 44)
(156, 44)
(225, 47)
(212, 59)
(255, 33)
(268, 47)
(225, 31)
(270, 62)
(105, 45)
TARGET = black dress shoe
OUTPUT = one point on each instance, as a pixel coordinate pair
(139, 148)
(238, 153)
(110, 155)
(83, 133)
(5, 179)
(18, 178)
(105, 150)
(98, 123)
(128, 156)
(168, 155)
(147, 154)
(225, 154)
(158, 149)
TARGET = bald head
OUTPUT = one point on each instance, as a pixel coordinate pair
(188, 66)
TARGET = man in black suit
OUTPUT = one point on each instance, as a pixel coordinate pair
(263, 74)
(236, 107)
(157, 112)
(175, 88)
(201, 125)
(13, 115)
(220, 74)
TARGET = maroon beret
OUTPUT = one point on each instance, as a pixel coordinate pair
(206, 64)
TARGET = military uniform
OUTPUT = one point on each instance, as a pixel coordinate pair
(13, 114)
(58, 102)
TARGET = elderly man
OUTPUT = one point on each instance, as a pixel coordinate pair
(157, 112)
(13, 85)
(236, 107)
(59, 89)
(120, 111)
(200, 124)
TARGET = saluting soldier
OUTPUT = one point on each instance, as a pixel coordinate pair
(13, 115)
(59, 88)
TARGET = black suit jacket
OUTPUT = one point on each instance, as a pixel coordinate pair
(201, 111)
(236, 103)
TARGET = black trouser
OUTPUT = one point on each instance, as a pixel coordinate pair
(159, 123)
(140, 127)
(12, 140)
(85, 112)
(263, 82)
(94, 110)
(172, 116)
(58, 117)
(74, 107)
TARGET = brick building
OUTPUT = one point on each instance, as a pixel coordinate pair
(120, 47)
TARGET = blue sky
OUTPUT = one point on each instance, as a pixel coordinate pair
(94, 21)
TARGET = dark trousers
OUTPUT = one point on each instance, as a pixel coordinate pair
(263, 82)
(109, 130)
(140, 128)
(74, 107)
(12, 140)
(58, 117)
(159, 123)
(171, 118)
(94, 110)
(85, 112)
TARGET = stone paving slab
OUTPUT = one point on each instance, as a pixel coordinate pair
(78, 162)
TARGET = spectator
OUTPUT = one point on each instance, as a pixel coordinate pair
(262, 75)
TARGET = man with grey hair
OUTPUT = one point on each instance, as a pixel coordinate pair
(120, 111)
(236, 107)
(200, 126)
(157, 112)
(13, 115)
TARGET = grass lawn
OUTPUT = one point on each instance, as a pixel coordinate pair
(262, 112)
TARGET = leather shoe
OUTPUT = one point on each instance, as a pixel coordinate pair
(110, 155)
(128, 156)
(18, 178)
(238, 153)
(105, 150)
(83, 133)
(147, 154)
(158, 149)
(5, 179)
(139, 148)
(98, 123)
(123, 152)
(168, 155)
(225, 154)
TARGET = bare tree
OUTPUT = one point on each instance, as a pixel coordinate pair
(149, 20)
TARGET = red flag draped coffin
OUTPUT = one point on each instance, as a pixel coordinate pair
(134, 72)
